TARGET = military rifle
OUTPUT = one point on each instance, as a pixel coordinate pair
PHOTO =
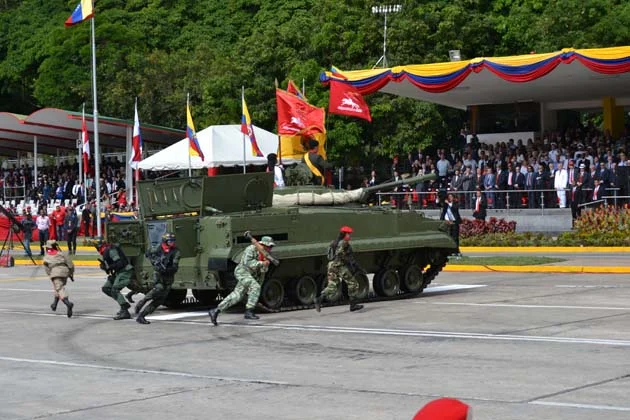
(261, 248)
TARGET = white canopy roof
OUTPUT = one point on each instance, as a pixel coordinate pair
(222, 145)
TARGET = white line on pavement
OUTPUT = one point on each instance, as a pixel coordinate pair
(144, 371)
(451, 287)
(381, 332)
(506, 305)
(26, 290)
(585, 406)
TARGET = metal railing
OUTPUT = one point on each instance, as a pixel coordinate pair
(495, 199)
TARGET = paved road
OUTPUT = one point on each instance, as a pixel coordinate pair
(523, 346)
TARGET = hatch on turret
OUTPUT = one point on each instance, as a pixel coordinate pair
(205, 195)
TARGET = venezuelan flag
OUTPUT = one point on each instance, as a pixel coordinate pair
(83, 11)
(248, 129)
(193, 144)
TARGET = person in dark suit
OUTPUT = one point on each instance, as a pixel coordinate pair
(599, 191)
(502, 186)
(450, 215)
(479, 209)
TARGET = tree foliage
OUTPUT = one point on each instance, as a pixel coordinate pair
(160, 50)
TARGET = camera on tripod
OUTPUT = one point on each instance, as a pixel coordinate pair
(16, 225)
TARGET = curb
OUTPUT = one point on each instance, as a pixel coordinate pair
(536, 269)
(546, 249)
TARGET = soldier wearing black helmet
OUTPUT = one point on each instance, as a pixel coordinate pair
(165, 261)
(116, 264)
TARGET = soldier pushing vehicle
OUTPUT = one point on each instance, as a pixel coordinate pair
(250, 274)
(165, 261)
(341, 267)
(59, 267)
(116, 264)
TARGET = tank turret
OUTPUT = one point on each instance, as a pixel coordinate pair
(319, 196)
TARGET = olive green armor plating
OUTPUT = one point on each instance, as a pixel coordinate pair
(209, 215)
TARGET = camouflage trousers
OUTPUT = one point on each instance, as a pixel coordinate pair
(247, 284)
(157, 296)
(114, 284)
(337, 274)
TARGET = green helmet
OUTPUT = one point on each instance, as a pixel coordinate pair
(168, 237)
(267, 241)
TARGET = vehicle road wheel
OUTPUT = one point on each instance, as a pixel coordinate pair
(304, 290)
(272, 294)
(386, 283)
(175, 298)
(412, 278)
(206, 297)
(364, 284)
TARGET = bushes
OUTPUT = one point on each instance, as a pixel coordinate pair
(605, 226)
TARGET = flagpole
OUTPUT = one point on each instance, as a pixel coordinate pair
(189, 140)
(97, 170)
(303, 88)
(136, 172)
(85, 169)
(243, 114)
(81, 175)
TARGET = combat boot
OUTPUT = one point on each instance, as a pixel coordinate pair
(140, 319)
(123, 313)
(249, 314)
(355, 306)
(318, 303)
(69, 305)
(214, 313)
(53, 305)
(139, 305)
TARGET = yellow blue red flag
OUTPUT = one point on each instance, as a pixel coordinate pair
(248, 129)
(83, 11)
(193, 144)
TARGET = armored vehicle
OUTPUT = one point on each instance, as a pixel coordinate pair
(403, 249)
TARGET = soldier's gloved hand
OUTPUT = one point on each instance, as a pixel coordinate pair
(103, 266)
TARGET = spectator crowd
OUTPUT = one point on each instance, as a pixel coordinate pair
(569, 169)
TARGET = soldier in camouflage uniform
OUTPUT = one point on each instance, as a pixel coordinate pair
(59, 267)
(250, 274)
(165, 260)
(340, 268)
(115, 263)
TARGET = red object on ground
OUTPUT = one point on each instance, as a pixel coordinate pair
(444, 409)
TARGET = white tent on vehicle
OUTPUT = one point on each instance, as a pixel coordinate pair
(222, 145)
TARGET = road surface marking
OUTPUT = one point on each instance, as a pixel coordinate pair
(505, 305)
(144, 371)
(372, 331)
(450, 287)
(585, 406)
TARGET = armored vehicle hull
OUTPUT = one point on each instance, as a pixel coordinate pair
(404, 250)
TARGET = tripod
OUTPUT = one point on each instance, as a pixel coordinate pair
(13, 229)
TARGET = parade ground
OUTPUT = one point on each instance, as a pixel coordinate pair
(511, 345)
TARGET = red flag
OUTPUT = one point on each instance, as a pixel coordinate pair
(296, 117)
(345, 99)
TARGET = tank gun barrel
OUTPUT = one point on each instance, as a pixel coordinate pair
(369, 191)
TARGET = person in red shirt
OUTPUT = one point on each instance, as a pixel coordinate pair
(58, 216)
(122, 199)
